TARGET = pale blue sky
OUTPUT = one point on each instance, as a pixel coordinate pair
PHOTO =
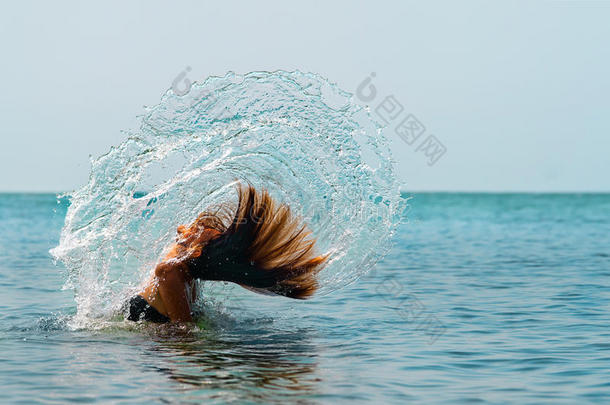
(517, 92)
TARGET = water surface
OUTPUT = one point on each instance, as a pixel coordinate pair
(486, 298)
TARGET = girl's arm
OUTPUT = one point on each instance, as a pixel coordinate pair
(173, 280)
(168, 290)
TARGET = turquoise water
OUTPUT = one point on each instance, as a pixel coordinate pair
(296, 134)
(485, 298)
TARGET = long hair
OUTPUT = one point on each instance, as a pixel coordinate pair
(261, 246)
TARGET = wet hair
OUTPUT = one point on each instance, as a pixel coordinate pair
(260, 245)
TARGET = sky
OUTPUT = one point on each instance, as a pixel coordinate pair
(517, 94)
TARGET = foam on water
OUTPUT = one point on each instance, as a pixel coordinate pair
(294, 133)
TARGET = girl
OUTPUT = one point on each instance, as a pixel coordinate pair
(261, 246)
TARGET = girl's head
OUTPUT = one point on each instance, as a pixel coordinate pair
(265, 247)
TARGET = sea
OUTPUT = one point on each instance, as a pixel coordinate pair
(483, 298)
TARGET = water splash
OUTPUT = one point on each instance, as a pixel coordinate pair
(294, 133)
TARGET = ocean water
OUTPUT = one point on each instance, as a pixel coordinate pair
(484, 298)
(297, 134)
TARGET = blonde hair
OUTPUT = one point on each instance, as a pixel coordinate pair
(260, 245)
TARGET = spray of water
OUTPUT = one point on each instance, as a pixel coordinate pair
(294, 133)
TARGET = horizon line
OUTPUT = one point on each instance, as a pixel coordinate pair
(403, 191)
